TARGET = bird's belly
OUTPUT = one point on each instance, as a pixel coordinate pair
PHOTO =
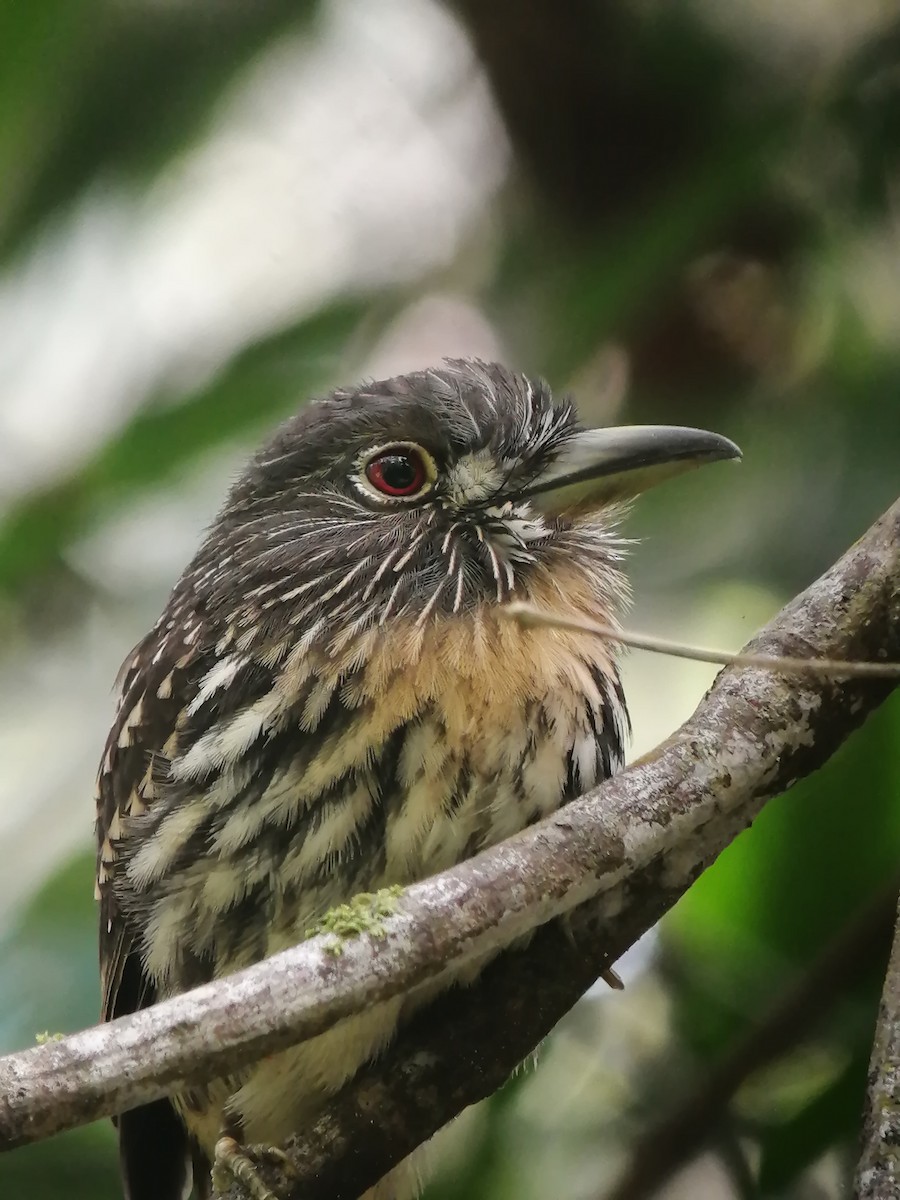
(280, 1095)
(457, 795)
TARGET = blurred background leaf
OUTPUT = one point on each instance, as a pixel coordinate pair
(103, 89)
(683, 212)
(256, 388)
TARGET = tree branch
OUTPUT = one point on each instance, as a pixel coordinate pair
(616, 860)
(795, 1016)
(878, 1173)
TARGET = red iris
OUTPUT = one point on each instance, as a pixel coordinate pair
(397, 471)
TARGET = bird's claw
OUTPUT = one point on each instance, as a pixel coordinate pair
(241, 1163)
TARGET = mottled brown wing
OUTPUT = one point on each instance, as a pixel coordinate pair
(116, 783)
(153, 1145)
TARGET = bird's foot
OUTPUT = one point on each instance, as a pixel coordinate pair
(241, 1163)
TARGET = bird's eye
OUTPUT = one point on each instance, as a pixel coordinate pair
(400, 471)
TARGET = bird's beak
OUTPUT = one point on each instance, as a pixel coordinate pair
(602, 466)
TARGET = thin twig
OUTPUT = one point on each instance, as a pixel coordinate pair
(823, 668)
(878, 1173)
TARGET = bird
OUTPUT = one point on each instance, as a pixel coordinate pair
(332, 702)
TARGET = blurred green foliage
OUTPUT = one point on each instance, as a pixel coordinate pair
(715, 253)
(257, 387)
(100, 88)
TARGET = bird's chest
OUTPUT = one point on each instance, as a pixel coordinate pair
(465, 785)
(490, 734)
(421, 757)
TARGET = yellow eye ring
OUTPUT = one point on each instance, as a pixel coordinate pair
(399, 471)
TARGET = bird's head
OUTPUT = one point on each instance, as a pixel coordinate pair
(430, 495)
